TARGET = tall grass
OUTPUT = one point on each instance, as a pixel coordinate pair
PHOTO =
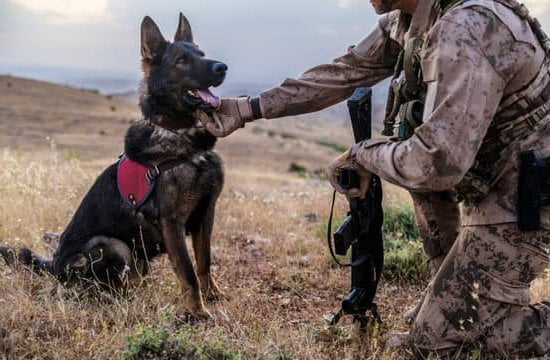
(267, 256)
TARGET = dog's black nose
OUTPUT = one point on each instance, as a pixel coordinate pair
(219, 68)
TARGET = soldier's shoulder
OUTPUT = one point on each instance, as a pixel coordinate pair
(395, 24)
(389, 20)
(469, 12)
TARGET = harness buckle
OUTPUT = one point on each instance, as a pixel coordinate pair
(152, 173)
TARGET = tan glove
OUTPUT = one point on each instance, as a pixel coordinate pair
(232, 115)
(347, 162)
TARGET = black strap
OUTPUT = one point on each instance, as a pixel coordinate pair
(155, 170)
(256, 108)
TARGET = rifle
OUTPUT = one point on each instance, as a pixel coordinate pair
(362, 228)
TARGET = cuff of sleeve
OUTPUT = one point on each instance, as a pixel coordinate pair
(256, 108)
(360, 153)
(245, 109)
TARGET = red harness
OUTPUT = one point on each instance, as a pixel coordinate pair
(136, 181)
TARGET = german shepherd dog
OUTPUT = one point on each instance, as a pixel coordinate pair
(108, 240)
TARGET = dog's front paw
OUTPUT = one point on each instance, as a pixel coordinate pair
(189, 318)
(211, 290)
(8, 254)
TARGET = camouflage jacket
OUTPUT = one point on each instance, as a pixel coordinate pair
(474, 56)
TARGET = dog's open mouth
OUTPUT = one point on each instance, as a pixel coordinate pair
(206, 96)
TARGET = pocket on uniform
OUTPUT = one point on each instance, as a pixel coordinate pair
(429, 70)
(493, 287)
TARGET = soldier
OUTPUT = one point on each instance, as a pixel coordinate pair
(471, 90)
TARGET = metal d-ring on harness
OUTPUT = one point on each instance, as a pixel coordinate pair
(152, 173)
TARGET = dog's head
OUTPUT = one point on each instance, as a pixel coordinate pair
(178, 76)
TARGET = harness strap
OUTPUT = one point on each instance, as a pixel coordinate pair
(136, 181)
(522, 11)
(155, 170)
(421, 18)
(414, 42)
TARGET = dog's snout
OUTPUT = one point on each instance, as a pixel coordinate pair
(219, 68)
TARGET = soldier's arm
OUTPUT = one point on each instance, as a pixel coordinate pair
(328, 84)
(466, 79)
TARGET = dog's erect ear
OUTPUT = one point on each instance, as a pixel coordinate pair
(152, 41)
(184, 31)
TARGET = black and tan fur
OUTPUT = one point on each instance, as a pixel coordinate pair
(107, 240)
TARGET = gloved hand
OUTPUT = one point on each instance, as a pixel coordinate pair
(347, 162)
(232, 114)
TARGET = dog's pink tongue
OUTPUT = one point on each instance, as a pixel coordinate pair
(208, 97)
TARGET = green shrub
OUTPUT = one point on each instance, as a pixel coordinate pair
(158, 343)
(336, 147)
(399, 225)
(297, 168)
(403, 258)
(258, 130)
(288, 136)
(145, 343)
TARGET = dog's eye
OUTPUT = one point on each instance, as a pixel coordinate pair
(183, 59)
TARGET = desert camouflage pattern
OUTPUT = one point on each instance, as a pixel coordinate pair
(474, 56)
(438, 219)
(479, 300)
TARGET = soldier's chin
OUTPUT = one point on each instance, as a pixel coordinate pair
(382, 7)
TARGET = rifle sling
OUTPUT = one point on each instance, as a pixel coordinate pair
(358, 261)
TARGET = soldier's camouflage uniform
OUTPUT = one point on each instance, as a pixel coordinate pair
(477, 59)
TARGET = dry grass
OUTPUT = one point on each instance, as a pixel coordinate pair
(268, 257)
(269, 254)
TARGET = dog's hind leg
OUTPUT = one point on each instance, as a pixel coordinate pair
(174, 241)
(202, 236)
(24, 257)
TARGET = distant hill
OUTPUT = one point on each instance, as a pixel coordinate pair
(105, 81)
(36, 115)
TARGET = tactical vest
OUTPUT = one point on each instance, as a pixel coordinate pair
(519, 114)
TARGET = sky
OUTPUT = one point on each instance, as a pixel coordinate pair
(262, 41)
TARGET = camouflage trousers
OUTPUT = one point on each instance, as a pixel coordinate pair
(480, 296)
(438, 220)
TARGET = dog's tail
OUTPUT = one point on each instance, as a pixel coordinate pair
(25, 258)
